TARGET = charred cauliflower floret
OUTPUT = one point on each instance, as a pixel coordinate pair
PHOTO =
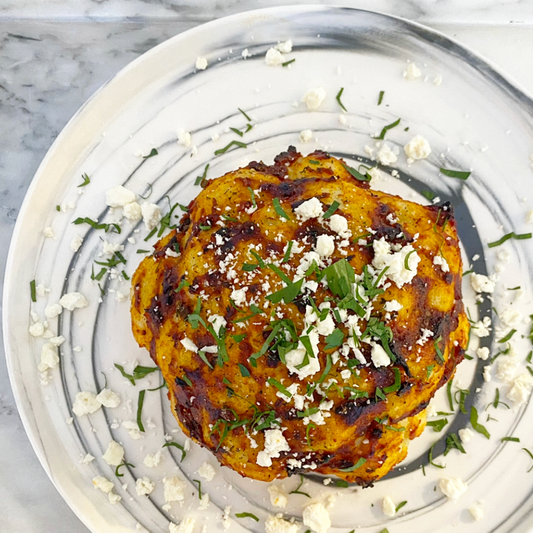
(303, 321)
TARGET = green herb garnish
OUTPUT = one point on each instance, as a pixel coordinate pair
(86, 180)
(338, 98)
(139, 410)
(247, 515)
(287, 63)
(476, 425)
(380, 98)
(33, 291)
(238, 144)
(117, 473)
(455, 173)
(153, 152)
(511, 235)
(386, 128)
(297, 490)
(357, 465)
(332, 208)
(279, 210)
(176, 445)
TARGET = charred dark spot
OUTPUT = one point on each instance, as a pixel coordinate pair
(215, 280)
(301, 302)
(240, 232)
(384, 228)
(351, 411)
(443, 212)
(310, 230)
(184, 224)
(272, 359)
(155, 313)
(448, 278)
(281, 163)
(246, 349)
(254, 288)
(181, 383)
(376, 432)
(405, 387)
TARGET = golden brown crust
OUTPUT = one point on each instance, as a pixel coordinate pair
(215, 240)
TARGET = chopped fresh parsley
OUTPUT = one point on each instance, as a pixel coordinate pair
(139, 372)
(287, 255)
(508, 336)
(453, 442)
(139, 410)
(332, 208)
(357, 465)
(287, 63)
(380, 97)
(245, 115)
(386, 128)
(247, 515)
(86, 180)
(438, 425)
(252, 196)
(200, 179)
(153, 152)
(356, 174)
(280, 387)
(33, 291)
(95, 225)
(245, 373)
(397, 382)
(297, 489)
(462, 175)
(176, 445)
(279, 210)
(238, 144)
(476, 425)
(511, 235)
(117, 473)
(338, 98)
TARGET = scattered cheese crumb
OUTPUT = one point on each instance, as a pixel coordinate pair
(388, 507)
(276, 524)
(206, 471)
(313, 98)
(417, 148)
(201, 63)
(278, 497)
(144, 486)
(151, 214)
(75, 243)
(273, 57)
(306, 136)
(114, 454)
(465, 435)
(452, 488)
(85, 404)
(73, 300)
(184, 138)
(412, 72)
(108, 398)
(174, 489)
(275, 443)
(386, 156)
(119, 196)
(481, 283)
(476, 510)
(152, 460)
(285, 47)
(316, 516)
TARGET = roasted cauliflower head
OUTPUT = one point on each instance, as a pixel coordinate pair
(302, 320)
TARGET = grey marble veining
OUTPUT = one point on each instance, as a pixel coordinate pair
(53, 56)
(426, 11)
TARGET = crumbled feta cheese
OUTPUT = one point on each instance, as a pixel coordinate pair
(278, 497)
(73, 300)
(184, 138)
(185, 526)
(311, 208)
(86, 459)
(477, 512)
(306, 136)
(325, 245)
(388, 507)
(152, 460)
(386, 156)
(285, 47)
(339, 225)
(108, 398)
(48, 232)
(246, 53)
(276, 524)
(273, 57)
(103, 484)
(510, 316)
(481, 283)
(133, 212)
(75, 243)
(37, 329)
(119, 196)
(481, 328)
(144, 486)
(189, 345)
(218, 322)
(151, 214)
(520, 389)
(201, 63)
(412, 72)
(275, 443)
(49, 357)
(316, 516)
(295, 358)
(52, 311)
(114, 454)
(483, 353)
(396, 261)
(438, 260)
(85, 403)
(379, 355)
(392, 306)
(133, 429)
(206, 471)
(174, 489)
(239, 296)
(113, 498)
(465, 435)
(507, 366)
(313, 98)
(110, 248)
(417, 148)
(452, 488)
(487, 376)
(437, 80)
(529, 217)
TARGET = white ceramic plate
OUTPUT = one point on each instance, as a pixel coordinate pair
(474, 119)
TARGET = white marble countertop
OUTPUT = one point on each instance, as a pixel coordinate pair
(56, 54)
